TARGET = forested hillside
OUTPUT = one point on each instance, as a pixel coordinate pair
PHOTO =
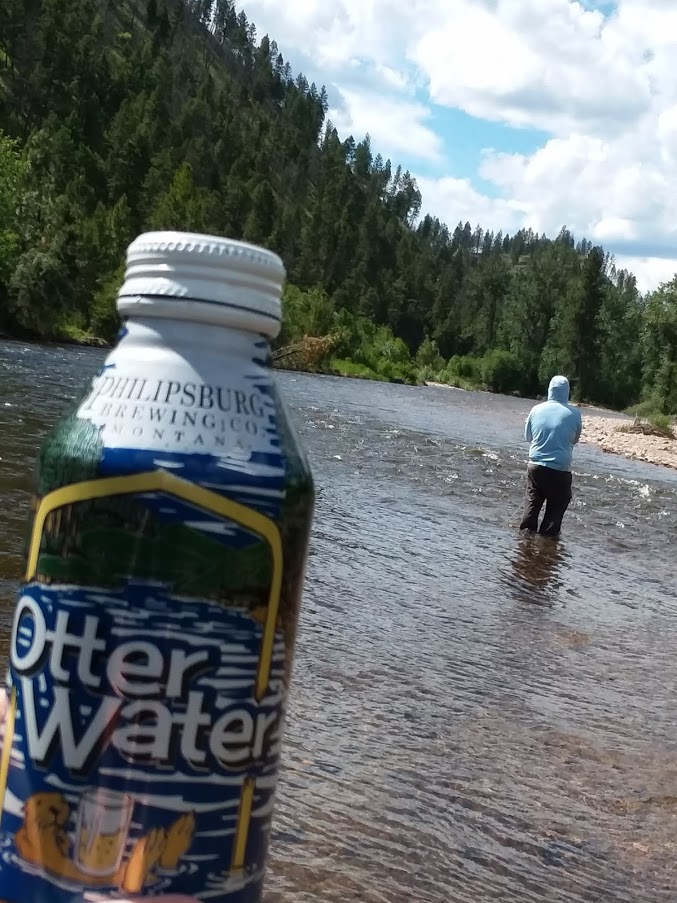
(116, 117)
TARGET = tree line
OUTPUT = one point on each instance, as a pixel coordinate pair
(121, 117)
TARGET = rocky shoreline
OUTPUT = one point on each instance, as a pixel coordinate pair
(608, 435)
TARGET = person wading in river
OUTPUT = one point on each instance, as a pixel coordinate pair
(553, 428)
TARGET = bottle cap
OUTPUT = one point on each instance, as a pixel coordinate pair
(203, 278)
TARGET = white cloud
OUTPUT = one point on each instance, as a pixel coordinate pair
(618, 193)
(464, 203)
(392, 78)
(390, 122)
(601, 83)
(541, 63)
(611, 189)
(650, 271)
(550, 65)
(335, 33)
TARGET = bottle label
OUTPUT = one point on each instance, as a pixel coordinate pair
(180, 410)
(148, 674)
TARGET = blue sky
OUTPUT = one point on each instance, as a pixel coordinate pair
(509, 113)
(464, 138)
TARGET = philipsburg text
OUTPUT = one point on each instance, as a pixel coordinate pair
(167, 412)
(174, 393)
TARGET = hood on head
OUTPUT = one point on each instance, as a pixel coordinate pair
(558, 390)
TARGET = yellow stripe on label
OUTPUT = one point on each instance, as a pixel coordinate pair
(264, 527)
(242, 830)
(7, 745)
(161, 481)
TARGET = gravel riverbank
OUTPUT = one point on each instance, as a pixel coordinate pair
(608, 434)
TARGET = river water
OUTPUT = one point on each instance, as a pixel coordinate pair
(475, 716)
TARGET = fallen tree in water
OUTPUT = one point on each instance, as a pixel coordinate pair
(310, 353)
(658, 425)
(316, 354)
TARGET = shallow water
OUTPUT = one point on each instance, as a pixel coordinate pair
(475, 716)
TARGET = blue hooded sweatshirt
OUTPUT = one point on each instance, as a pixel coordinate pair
(553, 427)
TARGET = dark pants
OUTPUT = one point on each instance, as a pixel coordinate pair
(552, 487)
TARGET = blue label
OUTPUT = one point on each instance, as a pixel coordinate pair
(150, 649)
(162, 685)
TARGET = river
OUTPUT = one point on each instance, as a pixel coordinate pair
(475, 716)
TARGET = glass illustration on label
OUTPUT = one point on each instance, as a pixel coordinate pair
(148, 680)
(103, 823)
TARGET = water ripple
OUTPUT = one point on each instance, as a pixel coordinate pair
(475, 716)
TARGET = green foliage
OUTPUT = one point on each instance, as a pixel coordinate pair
(659, 346)
(305, 314)
(574, 344)
(646, 408)
(662, 424)
(104, 319)
(428, 355)
(502, 372)
(13, 185)
(350, 368)
(183, 206)
(466, 368)
(155, 114)
(38, 289)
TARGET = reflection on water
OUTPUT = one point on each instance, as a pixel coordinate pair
(535, 568)
(476, 715)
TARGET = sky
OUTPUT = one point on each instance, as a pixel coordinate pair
(509, 113)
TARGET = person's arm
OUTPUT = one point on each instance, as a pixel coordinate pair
(527, 429)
